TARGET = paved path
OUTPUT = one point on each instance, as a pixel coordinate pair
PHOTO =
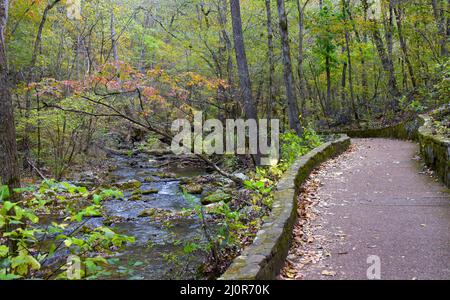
(373, 200)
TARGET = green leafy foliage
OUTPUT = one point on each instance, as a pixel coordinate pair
(20, 227)
(293, 146)
(261, 187)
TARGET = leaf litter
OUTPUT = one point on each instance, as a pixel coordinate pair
(308, 246)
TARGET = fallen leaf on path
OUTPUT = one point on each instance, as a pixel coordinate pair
(328, 273)
(289, 274)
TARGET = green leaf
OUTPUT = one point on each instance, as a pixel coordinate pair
(52, 249)
(138, 263)
(7, 206)
(19, 212)
(3, 250)
(31, 216)
(108, 232)
(97, 199)
(4, 192)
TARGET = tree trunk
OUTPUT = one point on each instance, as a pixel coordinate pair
(439, 16)
(388, 23)
(345, 7)
(361, 40)
(319, 95)
(241, 60)
(143, 64)
(389, 29)
(113, 38)
(301, 74)
(294, 120)
(9, 170)
(328, 73)
(350, 76)
(363, 60)
(398, 13)
(344, 80)
(271, 97)
(230, 105)
(385, 61)
(32, 77)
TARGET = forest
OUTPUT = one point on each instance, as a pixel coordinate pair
(89, 90)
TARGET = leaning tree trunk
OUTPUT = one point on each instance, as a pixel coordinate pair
(9, 170)
(294, 120)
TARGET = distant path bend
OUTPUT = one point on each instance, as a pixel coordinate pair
(374, 200)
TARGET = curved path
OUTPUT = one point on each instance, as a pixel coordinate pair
(374, 201)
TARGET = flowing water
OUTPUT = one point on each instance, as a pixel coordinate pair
(151, 256)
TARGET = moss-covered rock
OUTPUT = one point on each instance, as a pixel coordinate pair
(193, 188)
(129, 185)
(149, 179)
(150, 192)
(137, 192)
(150, 212)
(156, 213)
(137, 197)
(215, 197)
(214, 207)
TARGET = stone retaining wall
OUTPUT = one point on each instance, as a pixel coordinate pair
(264, 259)
(406, 130)
(435, 150)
